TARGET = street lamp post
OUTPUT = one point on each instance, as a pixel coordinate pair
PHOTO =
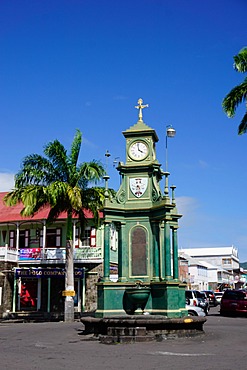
(116, 163)
(106, 177)
(170, 132)
(107, 155)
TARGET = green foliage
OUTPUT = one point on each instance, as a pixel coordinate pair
(243, 265)
(240, 61)
(239, 93)
(59, 181)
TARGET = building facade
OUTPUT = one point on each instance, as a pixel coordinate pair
(32, 262)
(221, 265)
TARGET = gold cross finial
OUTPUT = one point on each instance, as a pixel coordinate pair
(140, 106)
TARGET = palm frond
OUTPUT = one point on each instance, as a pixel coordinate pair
(57, 193)
(54, 213)
(235, 97)
(35, 170)
(57, 155)
(13, 197)
(240, 61)
(33, 194)
(74, 196)
(91, 172)
(242, 128)
(32, 197)
(93, 200)
(75, 148)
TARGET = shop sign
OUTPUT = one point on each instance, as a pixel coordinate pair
(30, 254)
(68, 293)
(46, 273)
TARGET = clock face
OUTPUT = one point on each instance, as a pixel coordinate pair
(138, 150)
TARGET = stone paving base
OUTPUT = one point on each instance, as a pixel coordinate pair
(131, 329)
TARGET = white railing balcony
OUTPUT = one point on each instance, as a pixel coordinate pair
(54, 254)
(8, 254)
(88, 253)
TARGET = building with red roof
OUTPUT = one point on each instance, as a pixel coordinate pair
(32, 261)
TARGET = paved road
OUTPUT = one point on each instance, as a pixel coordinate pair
(59, 346)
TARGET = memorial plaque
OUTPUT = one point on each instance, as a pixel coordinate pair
(139, 251)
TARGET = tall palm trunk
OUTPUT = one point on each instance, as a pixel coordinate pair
(69, 273)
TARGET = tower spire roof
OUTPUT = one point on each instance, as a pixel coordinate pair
(140, 106)
(140, 127)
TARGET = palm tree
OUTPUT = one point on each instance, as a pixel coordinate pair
(59, 181)
(239, 93)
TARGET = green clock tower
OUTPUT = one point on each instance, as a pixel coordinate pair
(146, 220)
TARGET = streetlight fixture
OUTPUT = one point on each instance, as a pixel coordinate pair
(106, 177)
(115, 162)
(107, 155)
(170, 132)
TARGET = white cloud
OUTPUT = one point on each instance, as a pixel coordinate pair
(6, 181)
(187, 206)
(203, 164)
(88, 143)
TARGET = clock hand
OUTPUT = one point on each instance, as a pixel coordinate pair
(139, 148)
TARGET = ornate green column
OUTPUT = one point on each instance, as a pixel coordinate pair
(107, 251)
(120, 252)
(167, 241)
(124, 253)
(156, 254)
(162, 253)
(175, 253)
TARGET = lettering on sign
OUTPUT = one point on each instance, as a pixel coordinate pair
(46, 273)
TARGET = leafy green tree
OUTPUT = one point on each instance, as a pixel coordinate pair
(57, 180)
(238, 94)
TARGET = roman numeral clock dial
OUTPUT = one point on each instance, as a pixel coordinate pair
(138, 150)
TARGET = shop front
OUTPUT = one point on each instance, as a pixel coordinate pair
(41, 289)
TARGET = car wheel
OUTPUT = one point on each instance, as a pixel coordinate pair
(192, 313)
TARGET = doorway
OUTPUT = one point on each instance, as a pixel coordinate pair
(28, 296)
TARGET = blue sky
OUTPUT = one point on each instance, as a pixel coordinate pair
(68, 64)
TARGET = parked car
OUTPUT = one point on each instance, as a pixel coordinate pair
(194, 310)
(206, 302)
(218, 296)
(234, 302)
(212, 299)
(192, 296)
(196, 298)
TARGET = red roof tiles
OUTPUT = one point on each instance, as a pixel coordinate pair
(8, 214)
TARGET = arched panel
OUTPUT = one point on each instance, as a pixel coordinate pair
(138, 251)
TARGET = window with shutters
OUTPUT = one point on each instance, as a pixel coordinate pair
(12, 239)
(53, 238)
(89, 237)
(24, 239)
